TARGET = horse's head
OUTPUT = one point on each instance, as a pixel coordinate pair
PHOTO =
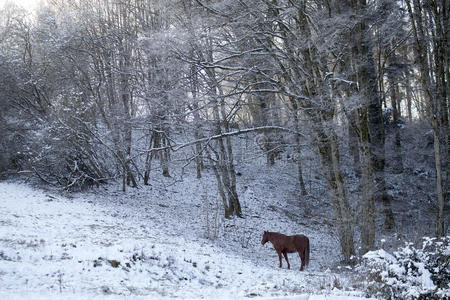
(265, 238)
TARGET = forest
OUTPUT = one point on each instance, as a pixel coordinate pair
(349, 96)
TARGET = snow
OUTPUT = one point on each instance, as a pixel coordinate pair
(409, 273)
(147, 243)
(426, 277)
(380, 254)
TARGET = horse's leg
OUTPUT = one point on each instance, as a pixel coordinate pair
(287, 260)
(279, 256)
(301, 253)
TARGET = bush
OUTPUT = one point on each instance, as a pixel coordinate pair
(64, 153)
(409, 273)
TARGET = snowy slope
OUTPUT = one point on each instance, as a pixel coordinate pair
(146, 243)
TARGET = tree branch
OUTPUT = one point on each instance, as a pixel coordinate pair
(222, 135)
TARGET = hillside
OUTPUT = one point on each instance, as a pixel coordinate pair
(153, 241)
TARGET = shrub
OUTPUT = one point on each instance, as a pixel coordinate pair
(409, 273)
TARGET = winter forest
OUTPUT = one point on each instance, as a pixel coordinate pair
(147, 145)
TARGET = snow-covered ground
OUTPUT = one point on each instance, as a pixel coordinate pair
(161, 241)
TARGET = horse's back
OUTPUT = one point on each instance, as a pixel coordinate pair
(294, 243)
(300, 241)
(300, 237)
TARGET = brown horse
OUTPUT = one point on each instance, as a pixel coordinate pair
(288, 244)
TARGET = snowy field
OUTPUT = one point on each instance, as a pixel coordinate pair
(157, 242)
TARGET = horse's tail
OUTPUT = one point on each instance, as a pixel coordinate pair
(307, 252)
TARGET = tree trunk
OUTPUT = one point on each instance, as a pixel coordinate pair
(434, 106)
(264, 106)
(397, 158)
(298, 146)
(441, 18)
(353, 141)
(367, 217)
(440, 229)
(220, 186)
(329, 156)
(368, 87)
(165, 156)
(126, 111)
(148, 161)
(197, 131)
(233, 195)
(225, 166)
(409, 99)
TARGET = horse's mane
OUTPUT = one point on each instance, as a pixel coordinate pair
(274, 234)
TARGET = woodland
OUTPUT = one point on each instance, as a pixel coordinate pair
(94, 92)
